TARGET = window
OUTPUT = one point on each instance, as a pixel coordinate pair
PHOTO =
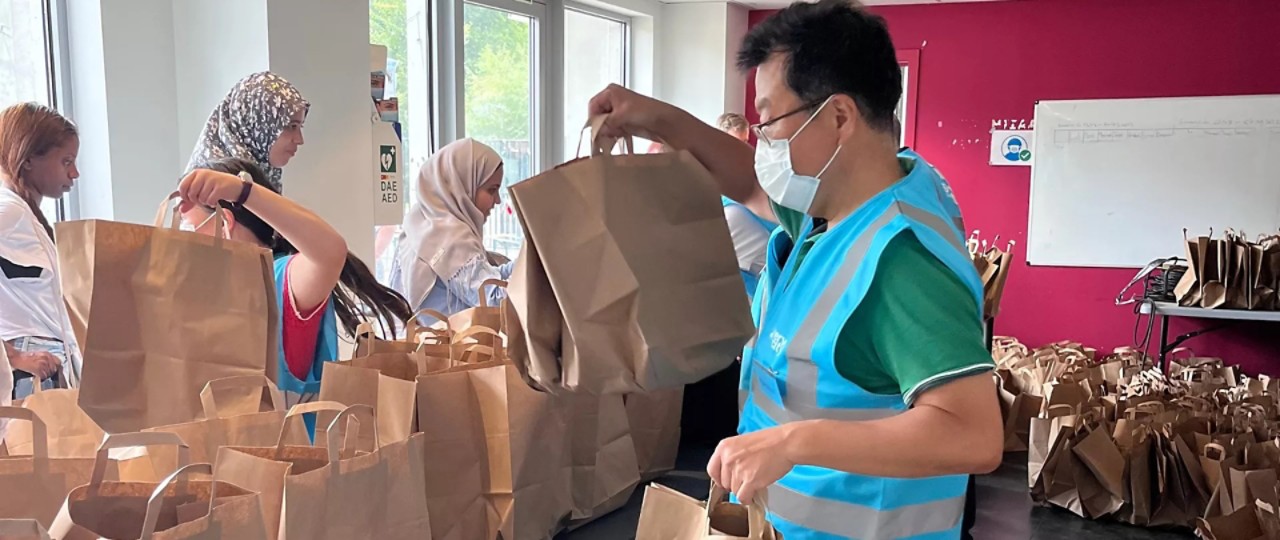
(26, 70)
(909, 64)
(597, 45)
(499, 80)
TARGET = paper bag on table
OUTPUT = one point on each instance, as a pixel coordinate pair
(386, 382)
(333, 492)
(534, 321)
(71, 433)
(604, 467)
(667, 514)
(159, 312)
(643, 269)
(35, 483)
(164, 510)
(655, 428)
(22, 529)
(482, 315)
(486, 409)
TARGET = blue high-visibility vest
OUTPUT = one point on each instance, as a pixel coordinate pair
(789, 372)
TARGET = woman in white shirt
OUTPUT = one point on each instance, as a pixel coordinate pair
(440, 256)
(38, 150)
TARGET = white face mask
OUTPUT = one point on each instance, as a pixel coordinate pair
(779, 180)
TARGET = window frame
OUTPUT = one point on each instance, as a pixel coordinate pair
(909, 61)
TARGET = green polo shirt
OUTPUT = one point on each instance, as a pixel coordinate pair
(918, 326)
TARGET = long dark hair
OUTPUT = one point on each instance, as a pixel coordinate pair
(30, 130)
(357, 285)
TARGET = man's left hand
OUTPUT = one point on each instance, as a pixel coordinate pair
(748, 464)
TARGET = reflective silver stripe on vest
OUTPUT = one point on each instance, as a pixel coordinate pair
(857, 521)
(801, 346)
(802, 405)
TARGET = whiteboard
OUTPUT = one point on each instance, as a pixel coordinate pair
(1115, 181)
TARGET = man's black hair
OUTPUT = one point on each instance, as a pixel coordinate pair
(831, 47)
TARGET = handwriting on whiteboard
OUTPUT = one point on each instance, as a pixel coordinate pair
(1071, 136)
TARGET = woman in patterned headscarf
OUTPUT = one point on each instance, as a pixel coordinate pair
(260, 121)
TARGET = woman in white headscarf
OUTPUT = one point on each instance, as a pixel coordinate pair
(441, 261)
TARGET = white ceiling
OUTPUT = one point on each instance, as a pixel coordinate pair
(775, 4)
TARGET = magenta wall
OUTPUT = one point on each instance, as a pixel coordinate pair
(991, 61)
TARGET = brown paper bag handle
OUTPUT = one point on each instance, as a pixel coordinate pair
(474, 331)
(1070, 410)
(598, 147)
(127, 440)
(300, 409)
(210, 406)
(1221, 451)
(476, 348)
(338, 427)
(496, 283)
(157, 496)
(219, 220)
(758, 527)
(413, 328)
(39, 431)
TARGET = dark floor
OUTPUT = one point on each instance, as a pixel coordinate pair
(1005, 512)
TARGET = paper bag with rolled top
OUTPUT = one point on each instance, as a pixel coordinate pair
(175, 508)
(639, 258)
(667, 514)
(36, 483)
(160, 312)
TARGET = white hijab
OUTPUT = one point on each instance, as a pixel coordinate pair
(444, 231)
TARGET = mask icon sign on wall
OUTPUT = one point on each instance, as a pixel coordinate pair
(1011, 147)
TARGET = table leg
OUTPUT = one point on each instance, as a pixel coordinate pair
(1164, 343)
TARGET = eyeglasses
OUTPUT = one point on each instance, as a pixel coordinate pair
(758, 129)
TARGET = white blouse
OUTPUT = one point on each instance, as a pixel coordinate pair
(31, 306)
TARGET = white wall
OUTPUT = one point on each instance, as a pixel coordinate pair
(220, 42)
(322, 47)
(145, 75)
(697, 47)
(123, 86)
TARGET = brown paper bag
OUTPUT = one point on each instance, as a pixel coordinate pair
(368, 343)
(376, 494)
(1239, 525)
(35, 484)
(534, 321)
(1268, 520)
(205, 437)
(655, 428)
(175, 508)
(159, 312)
(1099, 454)
(72, 434)
(667, 514)
(1142, 485)
(528, 480)
(643, 270)
(22, 529)
(386, 382)
(456, 461)
(605, 471)
(482, 315)
(1017, 425)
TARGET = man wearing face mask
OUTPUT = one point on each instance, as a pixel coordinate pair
(868, 394)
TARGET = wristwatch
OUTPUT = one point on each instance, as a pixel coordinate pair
(246, 189)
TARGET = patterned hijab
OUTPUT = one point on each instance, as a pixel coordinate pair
(248, 122)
